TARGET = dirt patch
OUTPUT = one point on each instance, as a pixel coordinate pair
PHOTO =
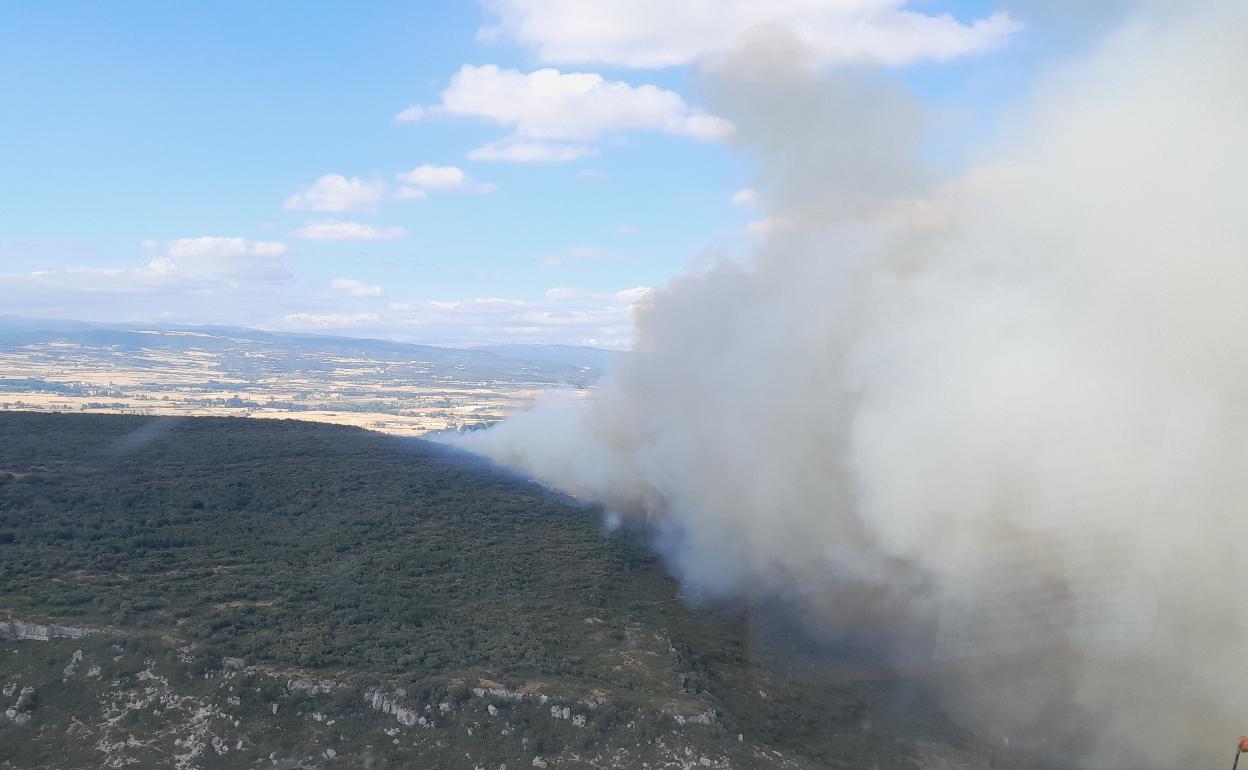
(242, 604)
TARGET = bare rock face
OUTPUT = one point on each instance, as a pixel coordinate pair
(378, 700)
(72, 668)
(308, 686)
(15, 629)
(25, 701)
(19, 712)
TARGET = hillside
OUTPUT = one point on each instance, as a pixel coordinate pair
(285, 594)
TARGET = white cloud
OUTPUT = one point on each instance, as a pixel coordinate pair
(626, 230)
(555, 115)
(247, 283)
(565, 293)
(431, 177)
(746, 196)
(356, 288)
(185, 278)
(337, 230)
(211, 246)
(327, 320)
(628, 296)
(636, 294)
(434, 177)
(410, 114)
(664, 33)
(335, 192)
(515, 150)
(212, 259)
(564, 315)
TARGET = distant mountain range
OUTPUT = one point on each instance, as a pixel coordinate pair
(174, 370)
(17, 331)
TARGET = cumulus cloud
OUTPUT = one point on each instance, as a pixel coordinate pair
(664, 33)
(517, 150)
(629, 296)
(1004, 414)
(354, 288)
(178, 278)
(328, 320)
(181, 263)
(338, 230)
(430, 177)
(335, 192)
(566, 316)
(249, 283)
(555, 115)
(411, 114)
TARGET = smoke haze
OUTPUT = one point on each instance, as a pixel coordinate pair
(1015, 402)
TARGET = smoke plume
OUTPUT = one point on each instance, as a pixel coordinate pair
(1014, 401)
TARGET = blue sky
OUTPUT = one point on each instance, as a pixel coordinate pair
(154, 153)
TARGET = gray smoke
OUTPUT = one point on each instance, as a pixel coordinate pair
(1015, 401)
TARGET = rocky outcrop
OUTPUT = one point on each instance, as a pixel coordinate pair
(311, 686)
(19, 712)
(378, 700)
(505, 694)
(145, 719)
(15, 629)
(72, 668)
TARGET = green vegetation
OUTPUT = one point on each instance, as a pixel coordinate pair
(330, 554)
(300, 545)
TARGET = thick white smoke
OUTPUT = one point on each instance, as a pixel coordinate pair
(1016, 401)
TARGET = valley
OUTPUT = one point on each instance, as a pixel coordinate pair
(396, 388)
